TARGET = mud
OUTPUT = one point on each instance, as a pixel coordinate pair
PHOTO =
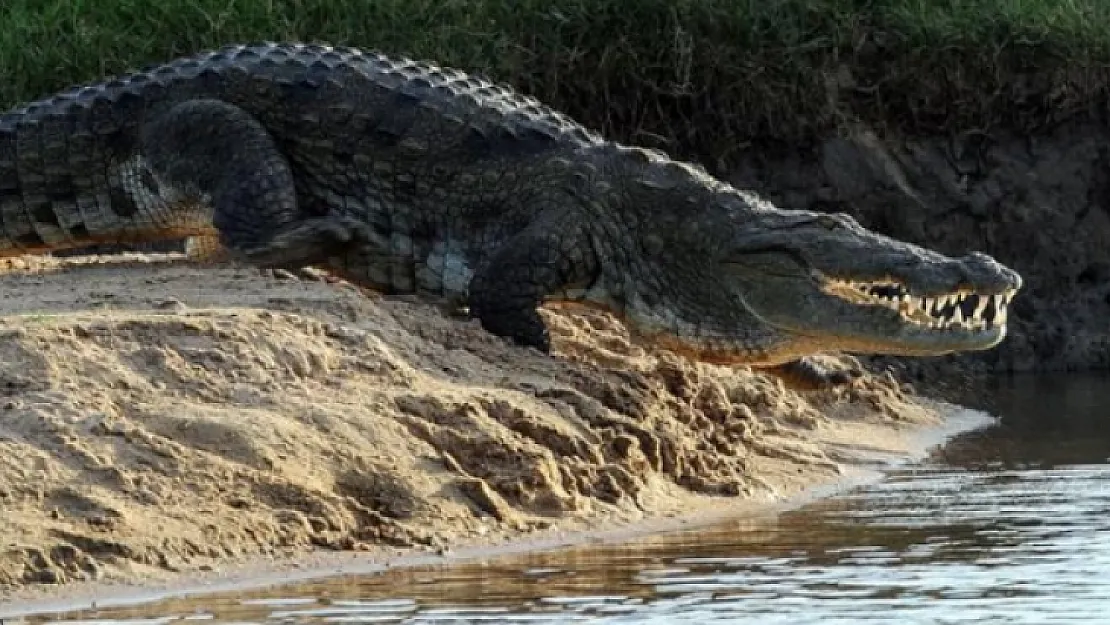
(159, 417)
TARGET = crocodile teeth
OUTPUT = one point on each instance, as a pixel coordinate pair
(978, 314)
(960, 310)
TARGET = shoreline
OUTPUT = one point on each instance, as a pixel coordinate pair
(920, 442)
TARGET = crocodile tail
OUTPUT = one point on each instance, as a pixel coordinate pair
(63, 187)
(17, 230)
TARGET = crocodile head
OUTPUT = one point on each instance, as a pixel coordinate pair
(730, 278)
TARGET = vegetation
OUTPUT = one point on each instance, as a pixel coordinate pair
(697, 77)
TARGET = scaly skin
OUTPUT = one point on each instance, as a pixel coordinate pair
(409, 178)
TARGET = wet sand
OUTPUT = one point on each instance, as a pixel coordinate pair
(166, 425)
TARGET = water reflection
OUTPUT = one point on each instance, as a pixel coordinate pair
(1007, 525)
(1047, 421)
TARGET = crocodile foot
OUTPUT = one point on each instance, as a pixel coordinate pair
(302, 243)
(807, 374)
(543, 259)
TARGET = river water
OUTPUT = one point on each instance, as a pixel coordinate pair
(1007, 525)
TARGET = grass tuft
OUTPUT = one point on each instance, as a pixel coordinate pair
(700, 78)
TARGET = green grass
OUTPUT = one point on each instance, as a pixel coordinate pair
(697, 77)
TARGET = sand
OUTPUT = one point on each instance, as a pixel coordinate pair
(161, 419)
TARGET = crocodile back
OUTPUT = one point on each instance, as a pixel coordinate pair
(69, 162)
(334, 87)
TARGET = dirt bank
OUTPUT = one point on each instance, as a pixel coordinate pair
(1038, 203)
(162, 417)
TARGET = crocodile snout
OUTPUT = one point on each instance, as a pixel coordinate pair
(983, 273)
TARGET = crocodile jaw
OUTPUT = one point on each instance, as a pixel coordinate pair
(867, 323)
(960, 320)
(914, 316)
(762, 318)
(962, 309)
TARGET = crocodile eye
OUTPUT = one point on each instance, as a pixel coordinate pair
(828, 222)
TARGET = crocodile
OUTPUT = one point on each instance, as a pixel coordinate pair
(406, 177)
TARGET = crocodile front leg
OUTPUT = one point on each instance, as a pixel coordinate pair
(506, 291)
(216, 151)
(805, 373)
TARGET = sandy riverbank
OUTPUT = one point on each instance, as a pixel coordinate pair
(163, 421)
